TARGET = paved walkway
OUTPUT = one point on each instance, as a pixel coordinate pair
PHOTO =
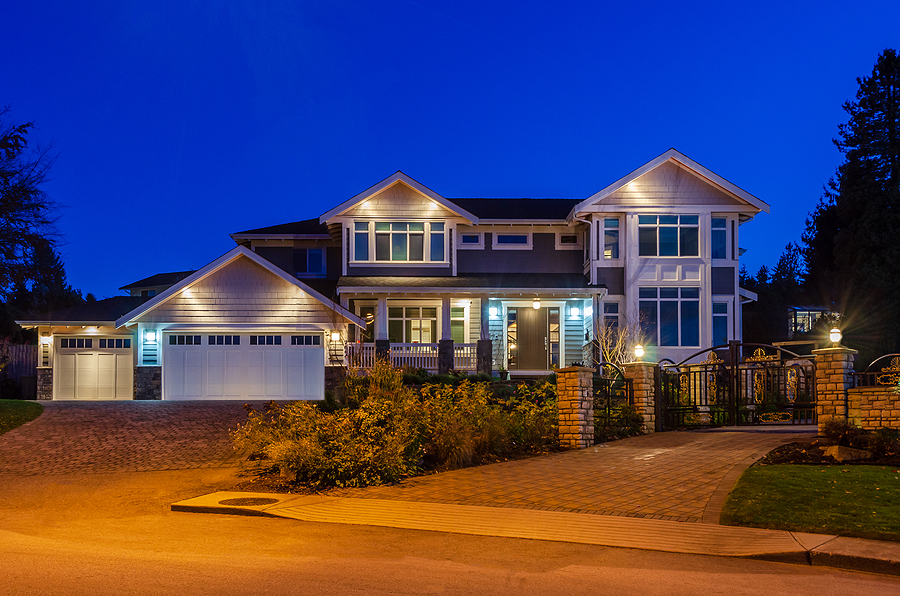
(677, 476)
(133, 436)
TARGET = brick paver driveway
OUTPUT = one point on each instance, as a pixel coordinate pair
(133, 436)
(682, 476)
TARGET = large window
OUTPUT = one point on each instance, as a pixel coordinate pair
(412, 324)
(668, 235)
(670, 316)
(719, 244)
(399, 241)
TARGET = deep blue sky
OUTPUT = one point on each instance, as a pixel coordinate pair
(179, 122)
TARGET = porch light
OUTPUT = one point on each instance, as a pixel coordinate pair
(536, 304)
(575, 312)
(46, 340)
(639, 351)
(150, 336)
(835, 336)
(335, 336)
(492, 311)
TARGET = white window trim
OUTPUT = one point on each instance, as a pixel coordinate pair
(448, 229)
(679, 226)
(527, 246)
(461, 246)
(579, 241)
(601, 238)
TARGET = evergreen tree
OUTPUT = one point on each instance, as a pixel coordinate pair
(851, 250)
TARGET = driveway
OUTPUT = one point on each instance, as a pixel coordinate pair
(680, 476)
(133, 436)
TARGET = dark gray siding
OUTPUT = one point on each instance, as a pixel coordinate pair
(399, 271)
(723, 280)
(542, 258)
(333, 262)
(613, 278)
(282, 257)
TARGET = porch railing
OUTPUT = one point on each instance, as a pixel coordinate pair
(412, 355)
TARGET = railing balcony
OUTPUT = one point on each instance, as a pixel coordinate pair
(415, 355)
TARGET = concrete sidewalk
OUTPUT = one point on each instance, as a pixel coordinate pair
(603, 530)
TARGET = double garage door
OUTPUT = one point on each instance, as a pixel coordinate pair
(243, 366)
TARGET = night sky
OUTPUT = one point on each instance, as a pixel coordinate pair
(178, 123)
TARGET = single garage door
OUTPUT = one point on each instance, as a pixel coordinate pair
(243, 366)
(93, 368)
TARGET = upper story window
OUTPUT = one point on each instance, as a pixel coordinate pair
(668, 236)
(309, 262)
(611, 238)
(512, 241)
(719, 243)
(399, 241)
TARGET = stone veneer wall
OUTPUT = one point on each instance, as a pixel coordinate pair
(643, 379)
(147, 382)
(833, 368)
(575, 390)
(874, 407)
(44, 383)
(334, 376)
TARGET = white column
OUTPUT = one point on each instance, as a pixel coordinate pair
(445, 318)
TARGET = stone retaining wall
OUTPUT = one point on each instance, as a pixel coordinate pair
(874, 407)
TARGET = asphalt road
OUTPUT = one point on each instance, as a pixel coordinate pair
(114, 534)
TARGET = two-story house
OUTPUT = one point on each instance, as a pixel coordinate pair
(428, 281)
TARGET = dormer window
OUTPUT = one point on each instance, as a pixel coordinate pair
(399, 241)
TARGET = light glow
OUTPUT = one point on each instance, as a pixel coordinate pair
(575, 311)
(639, 351)
(335, 336)
(835, 336)
(150, 336)
(46, 340)
(492, 311)
(536, 304)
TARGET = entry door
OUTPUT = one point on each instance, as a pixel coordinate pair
(532, 340)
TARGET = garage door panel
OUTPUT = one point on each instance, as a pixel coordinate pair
(86, 376)
(124, 376)
(106, 376)
(193, 374)
(215, 374)
(235, 374)
(274, 372)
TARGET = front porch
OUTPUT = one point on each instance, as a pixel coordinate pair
(414, 356)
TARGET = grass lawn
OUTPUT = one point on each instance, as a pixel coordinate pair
(860, 501)
(15, 412)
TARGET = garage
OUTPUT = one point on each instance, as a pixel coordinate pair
(249, 366)
(94, 368)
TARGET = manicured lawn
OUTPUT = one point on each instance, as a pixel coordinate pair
(861, 501)
(14, 412)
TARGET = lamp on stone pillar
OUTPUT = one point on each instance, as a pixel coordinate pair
(835, 336)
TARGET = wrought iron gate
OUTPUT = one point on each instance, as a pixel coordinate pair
(771, 386)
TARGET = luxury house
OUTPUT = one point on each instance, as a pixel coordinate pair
(427, 281)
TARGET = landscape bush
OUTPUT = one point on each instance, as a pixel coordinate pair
(389, 431)
(617, 423)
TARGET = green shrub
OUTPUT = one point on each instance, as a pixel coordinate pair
(841, 431)
(617, 423)
(885, 441)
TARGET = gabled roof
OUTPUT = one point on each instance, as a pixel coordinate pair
(101, 312)
(160, 279)
(398, 178)
(232, 255)
(308, 228)
(684, 161)
(518, 209)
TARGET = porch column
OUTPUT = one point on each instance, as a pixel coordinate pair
(445, 345)
(485, 317)
(596, 322)
(382, 343)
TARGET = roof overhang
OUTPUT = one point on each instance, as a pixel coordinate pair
(398, 178)
(684, 161)
(33, 324)
(229, 257)
(747, 295)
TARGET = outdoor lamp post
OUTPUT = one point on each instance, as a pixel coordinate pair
(639, 351)
(835, 336)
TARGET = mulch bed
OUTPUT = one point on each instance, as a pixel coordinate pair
(810, 452)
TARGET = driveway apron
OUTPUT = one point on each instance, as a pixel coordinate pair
(133, 436)
(679, 476)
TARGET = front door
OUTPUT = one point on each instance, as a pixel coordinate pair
(532, 340)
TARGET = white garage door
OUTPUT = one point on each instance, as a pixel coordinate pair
(243, 366)
(93, 368)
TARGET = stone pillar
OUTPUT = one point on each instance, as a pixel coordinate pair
(833, 368)
(44, 383)
(575, 390)
(484, 355)
(147, 382)
(445, 356)
(643, 379)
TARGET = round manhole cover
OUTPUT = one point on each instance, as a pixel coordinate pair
(248, 501)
